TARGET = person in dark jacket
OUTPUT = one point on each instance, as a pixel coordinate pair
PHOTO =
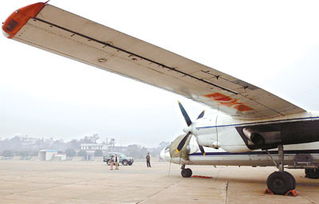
(148, 160)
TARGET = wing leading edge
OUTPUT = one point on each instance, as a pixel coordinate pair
(56, 30)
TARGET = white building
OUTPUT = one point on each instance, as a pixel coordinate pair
(93, 147)
(60, 157)
(47, 154)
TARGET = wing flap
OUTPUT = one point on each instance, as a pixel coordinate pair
(67, 34)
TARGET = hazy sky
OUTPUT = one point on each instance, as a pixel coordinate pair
(271, 44)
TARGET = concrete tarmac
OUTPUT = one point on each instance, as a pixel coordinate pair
(93, 182)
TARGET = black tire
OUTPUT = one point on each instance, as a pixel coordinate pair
(186, 173)
(312, 173)
(292, 178)
(125, 162)
(280, 182)
(307, 172)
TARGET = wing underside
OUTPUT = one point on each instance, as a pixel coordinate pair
(72, 36)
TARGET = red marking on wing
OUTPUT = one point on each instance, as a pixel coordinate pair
(228, 101)
(218, 97)
(243, 107)
(20, 17)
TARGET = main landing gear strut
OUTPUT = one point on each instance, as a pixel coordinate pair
(186, 172)
(281, 182)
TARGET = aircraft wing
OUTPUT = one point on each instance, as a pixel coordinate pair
(59, 31)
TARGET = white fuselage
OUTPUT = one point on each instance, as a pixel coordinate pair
(253, 158)
(224, 145)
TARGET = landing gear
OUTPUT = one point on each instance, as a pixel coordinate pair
(186, 172)
(281, 182)
(312, 173)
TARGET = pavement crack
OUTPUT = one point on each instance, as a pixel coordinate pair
(309, 199)
(159, 191)
(226, 189)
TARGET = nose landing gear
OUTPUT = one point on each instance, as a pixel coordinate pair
(281, 182)
(186, 172)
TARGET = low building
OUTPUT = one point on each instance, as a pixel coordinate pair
(60, 157)
(47, 154)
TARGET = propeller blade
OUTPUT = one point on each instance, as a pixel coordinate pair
(201, 114)
(182, 142)
(186, 117)
(202, 149)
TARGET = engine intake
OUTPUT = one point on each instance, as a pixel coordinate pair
(254, 137)
(257, 139)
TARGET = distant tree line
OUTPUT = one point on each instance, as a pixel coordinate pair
(27, 147)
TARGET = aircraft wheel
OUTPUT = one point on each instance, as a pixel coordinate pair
(292, 178)
(281, 182)
(312, 173)
(186, 173)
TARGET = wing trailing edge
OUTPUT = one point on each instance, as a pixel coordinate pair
(64, 33)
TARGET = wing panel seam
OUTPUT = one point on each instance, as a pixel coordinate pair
(137, 55)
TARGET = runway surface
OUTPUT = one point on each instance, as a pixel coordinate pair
(93, 182)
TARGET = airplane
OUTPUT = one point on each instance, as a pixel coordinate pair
(253, 127)
(187, 150)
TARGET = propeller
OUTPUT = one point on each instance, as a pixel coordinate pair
(186, 117)
(189, 124)
(182, 142)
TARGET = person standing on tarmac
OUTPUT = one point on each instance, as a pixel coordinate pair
(148, 160)
(112, 161)
(116, 160)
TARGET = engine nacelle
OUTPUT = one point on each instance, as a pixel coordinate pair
(255, 137)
